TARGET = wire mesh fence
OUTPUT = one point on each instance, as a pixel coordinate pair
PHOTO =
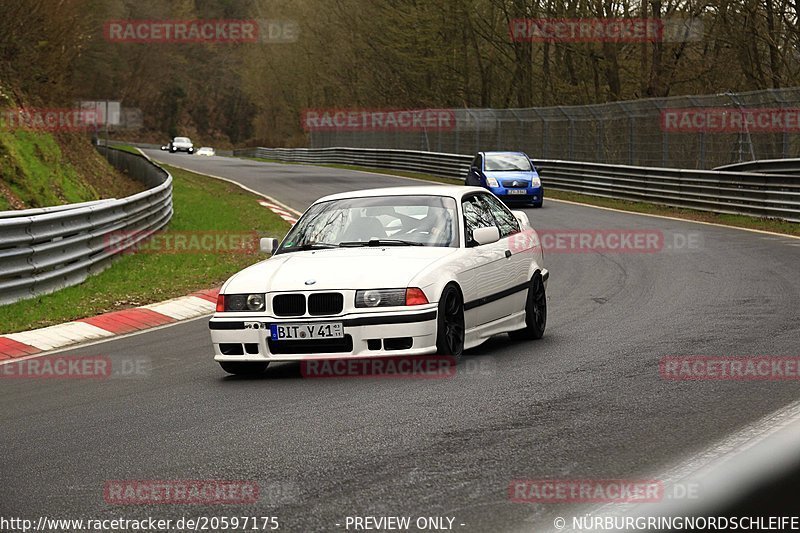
(684, 132)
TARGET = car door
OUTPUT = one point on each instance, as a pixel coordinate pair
(484, 280)
(517, 259)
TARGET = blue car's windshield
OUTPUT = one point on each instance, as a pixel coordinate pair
(503, 162)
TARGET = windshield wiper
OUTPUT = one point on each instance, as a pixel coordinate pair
(380, 242)
(310, 246)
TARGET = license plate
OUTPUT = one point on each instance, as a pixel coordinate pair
(297, 332)
(517, 191)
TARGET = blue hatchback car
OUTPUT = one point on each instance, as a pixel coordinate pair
(509, 175)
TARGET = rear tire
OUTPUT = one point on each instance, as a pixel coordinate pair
(535, 312)
(244, 368)
(450, 323)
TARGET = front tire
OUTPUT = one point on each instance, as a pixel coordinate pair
(535, 312)
(244, 368)
(450, 323)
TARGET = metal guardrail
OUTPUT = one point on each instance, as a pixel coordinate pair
(44, 250)
(435, 163)
(789, 167)
(719, 191)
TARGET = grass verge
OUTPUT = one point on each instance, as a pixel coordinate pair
(125, 148)
(201, 204)
(739, 221)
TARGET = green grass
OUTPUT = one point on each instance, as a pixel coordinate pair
(201, 204)
(34, 168)
(125, 148)
(740, 221)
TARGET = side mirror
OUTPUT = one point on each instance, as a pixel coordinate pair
(486, 235)
(522, 218)
(268, 245)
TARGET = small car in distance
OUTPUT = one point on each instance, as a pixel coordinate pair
(181, 144)
(509, 175)
(385, 272)
(205, 150)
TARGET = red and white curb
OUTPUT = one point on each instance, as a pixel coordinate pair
(14, 345)
(280, 211)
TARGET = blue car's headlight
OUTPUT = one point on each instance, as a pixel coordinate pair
(536, 182)
(491, 182)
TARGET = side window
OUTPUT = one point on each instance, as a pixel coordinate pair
(476, 215)
(477, 161)
(507, 223)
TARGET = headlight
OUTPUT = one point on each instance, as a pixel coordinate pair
(491, 182)
(255, 302)
(536, 182)
(380, 297)
(244, 302)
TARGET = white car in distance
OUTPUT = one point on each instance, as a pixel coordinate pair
(385, 272)
(181, 144)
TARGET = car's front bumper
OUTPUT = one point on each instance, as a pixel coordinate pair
(529, 194)
(415, 329)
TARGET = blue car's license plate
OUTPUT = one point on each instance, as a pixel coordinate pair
(293, 332)
(517, 191)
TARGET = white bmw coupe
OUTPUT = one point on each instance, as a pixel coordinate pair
(385, 272)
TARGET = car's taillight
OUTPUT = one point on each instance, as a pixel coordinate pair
(415, 296)
(220, 303)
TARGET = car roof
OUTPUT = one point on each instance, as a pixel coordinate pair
(454, 191)
(495, 152)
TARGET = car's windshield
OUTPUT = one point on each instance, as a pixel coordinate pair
(503, 162)
(378, 220)
(182, 139)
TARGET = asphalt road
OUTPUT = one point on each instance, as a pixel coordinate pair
(586, 401)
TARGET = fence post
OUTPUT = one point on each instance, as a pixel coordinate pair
(599, 133)
(570, 134)
(631, 134)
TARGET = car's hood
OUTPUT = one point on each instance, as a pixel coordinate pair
(519, 175)
(341, 268)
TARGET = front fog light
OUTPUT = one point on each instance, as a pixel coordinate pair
(255, 302)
